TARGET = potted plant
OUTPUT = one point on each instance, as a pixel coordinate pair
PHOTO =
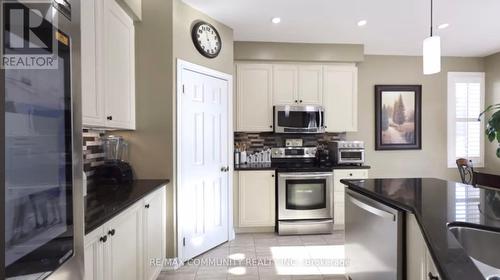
(493, 124)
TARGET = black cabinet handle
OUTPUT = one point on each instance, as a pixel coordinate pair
(432, 277)
(296, 101)
(146, 206)
(110, 118)
(350, 174)
(272, 175)
(111, 232)
(300, 101)
(270, 126)
(103, 239)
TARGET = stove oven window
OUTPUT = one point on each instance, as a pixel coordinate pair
(306, 194)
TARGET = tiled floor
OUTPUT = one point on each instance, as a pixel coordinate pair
(268, 256)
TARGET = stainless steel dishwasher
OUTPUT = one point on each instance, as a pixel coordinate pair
(374, 239)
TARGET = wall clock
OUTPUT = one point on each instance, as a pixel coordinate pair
(206, 39)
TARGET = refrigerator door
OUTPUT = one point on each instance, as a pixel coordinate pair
(43, 213)
(374, 248)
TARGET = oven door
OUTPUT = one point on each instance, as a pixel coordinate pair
(305, 196)
(351, 156)
(299, 119)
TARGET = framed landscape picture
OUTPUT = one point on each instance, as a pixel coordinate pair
(398, 117)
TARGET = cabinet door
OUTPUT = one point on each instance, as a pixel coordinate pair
(256, 198)
(340, 97)
(431, 270)
(123, 248)
(92, 97)
(94, 255)
(310, 84)
(254, 97)
(119, 67)
(154, 233)
(339, 193)
(285, 84)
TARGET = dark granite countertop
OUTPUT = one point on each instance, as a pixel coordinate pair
(107, 201)
(436, 205)
(293, 167)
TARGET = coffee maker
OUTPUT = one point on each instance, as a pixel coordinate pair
(115, 169)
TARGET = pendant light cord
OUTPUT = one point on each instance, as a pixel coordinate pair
(431, 15)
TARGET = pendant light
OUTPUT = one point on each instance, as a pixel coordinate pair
(432, 51)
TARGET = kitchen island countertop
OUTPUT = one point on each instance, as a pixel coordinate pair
(437, 204)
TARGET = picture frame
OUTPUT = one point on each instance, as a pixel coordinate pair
(398, 117)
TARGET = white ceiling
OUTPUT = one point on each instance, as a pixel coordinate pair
(395, 27)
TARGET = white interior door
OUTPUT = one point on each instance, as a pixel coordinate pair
(204, 162)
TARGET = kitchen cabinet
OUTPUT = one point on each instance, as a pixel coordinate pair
(285, 91)
(154, 232)
(310, 84)
(339, 193)
(419, 263)
(122, 248)
(257, 198)
(260, 86)
(340, 98)
(254, 97)
(108, 66)
(297, 84)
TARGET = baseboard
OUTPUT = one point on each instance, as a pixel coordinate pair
(254, 229)
(172, 264)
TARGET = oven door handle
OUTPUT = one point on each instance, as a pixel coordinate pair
(306, 175)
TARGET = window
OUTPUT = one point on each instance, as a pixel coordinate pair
(465, 131)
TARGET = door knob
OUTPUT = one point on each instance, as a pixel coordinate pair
(110, 118)
(111, 232)
(103, 239)
(146, 206)
(223, 169)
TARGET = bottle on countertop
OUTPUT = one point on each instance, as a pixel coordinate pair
(243, 155)
(237, 154)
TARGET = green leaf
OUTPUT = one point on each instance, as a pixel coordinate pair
(498, 152)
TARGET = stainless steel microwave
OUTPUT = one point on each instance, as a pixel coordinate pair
(299, 119)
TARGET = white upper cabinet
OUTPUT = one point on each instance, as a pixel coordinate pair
(108, 66)
(254, 97)
(260, 86)
(285, 83)
(310, 84)
(340, 97)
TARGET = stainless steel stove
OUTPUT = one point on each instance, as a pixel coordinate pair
(305, 191)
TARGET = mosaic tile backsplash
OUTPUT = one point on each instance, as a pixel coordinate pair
(93, 152)
(258, 141)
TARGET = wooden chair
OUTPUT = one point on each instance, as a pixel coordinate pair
(466, 170)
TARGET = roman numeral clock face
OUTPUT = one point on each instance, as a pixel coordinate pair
(206, 39)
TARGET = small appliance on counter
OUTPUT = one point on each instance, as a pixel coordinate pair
(347, 152)
(115, 169)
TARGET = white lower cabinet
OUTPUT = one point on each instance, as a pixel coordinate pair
(339, 193)
(419, 263)
(154, 227)
(256, 198)
(122, 248)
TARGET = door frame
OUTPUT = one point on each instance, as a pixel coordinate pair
(185, 65)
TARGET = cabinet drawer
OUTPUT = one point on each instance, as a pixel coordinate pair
(351, 173)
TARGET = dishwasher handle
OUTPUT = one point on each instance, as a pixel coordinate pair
(373, 210)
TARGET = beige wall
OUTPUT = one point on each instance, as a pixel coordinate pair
(298, 52)
(150, 144)
(492, 69)
(431, 160)
(163, 36)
